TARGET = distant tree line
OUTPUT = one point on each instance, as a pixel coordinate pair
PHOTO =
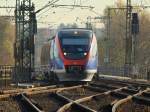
(116, 41)
(7, 36)
(69, 25)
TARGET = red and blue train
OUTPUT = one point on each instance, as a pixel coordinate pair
(74, 55)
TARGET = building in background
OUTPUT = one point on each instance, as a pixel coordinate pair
(42, 37)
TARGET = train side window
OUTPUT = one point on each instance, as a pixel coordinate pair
(94, 50)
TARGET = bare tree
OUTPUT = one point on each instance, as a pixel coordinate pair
(7, 31)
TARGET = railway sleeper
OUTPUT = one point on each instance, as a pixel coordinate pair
(146, 94)
(26, 103)
(130, 91)
(81, 108)
(141, 100)
(103, 86)
(116, 81)
(119, 94)
(108, 108)
(138, 84)
(96, 89)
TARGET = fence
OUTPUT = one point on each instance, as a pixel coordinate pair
(6, 73)
(125, 72)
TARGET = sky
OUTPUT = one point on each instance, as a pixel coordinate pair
(59, 15)
(51, 17)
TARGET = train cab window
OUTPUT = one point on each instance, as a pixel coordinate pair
(75, 44)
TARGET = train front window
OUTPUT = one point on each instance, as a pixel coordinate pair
(75, 46)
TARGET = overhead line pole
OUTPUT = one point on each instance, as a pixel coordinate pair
(128, 37)
(129, 58)
(128, 50)
(24, 43)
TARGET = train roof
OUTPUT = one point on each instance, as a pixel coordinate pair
(69, 30)
(75, 29)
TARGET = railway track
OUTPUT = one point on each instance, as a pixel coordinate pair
(52, 101)
(81, 92)
(137, 103)
(102, 96)
(124, 82)
(104, 102)
(88, 103)
(22, 102)
(9, 105)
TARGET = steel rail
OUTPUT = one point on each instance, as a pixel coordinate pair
(28, 89)
(129, 82)
(30, 104)
(125, 100)
(78, 101)
(33, 91)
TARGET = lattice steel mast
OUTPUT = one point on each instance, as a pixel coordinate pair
(24, 44)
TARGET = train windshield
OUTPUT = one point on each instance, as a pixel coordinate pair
(75, 45)
(75, 41)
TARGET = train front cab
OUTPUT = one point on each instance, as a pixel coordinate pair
(74, 70)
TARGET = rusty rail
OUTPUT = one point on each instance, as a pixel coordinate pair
(119, 104)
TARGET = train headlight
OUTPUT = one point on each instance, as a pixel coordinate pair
(85, 54)
(65, 53)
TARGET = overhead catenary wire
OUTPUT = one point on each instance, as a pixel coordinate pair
(44, 12)
(47, 5)
(51, 4)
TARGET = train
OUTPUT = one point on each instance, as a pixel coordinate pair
(73, 55)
